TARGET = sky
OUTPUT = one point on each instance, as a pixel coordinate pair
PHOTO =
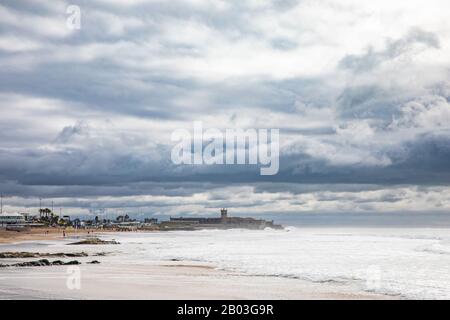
(360, 91)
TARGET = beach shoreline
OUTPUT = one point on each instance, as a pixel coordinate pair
(179, 280)
(167, 280)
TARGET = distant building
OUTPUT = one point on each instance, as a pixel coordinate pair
(151, 220)
(223, 213)
(224, 222)
(125, 218)
(11, 218)
(27, 216)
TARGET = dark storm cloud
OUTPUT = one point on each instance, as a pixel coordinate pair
(371, 102)
(422, 161)
(102, 90)
(166, 63)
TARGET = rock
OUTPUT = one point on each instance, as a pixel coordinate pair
(14, 255)
(39, 263)
(70, 263)
(94, 262)
(43, 263)
(76, 255)
(95, 241)
(61, 263)
(17, 255)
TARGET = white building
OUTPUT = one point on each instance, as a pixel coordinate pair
(11, 218)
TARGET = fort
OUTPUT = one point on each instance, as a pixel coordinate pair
(222, 222)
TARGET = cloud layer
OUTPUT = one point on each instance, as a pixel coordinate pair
(359, 92)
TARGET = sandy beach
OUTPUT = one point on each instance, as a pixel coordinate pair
(120, 277)
(167, 281)
(45, 234)
(296, 263)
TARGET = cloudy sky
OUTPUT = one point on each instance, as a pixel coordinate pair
(360, 91)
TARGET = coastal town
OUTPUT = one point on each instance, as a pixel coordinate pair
(46, 218)
(16, 227)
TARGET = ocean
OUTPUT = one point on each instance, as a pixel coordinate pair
(402, 262)
(408, 263)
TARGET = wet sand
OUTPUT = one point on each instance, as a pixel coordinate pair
(168, 282)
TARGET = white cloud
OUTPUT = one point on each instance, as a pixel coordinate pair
(53, 26)
(351, 85)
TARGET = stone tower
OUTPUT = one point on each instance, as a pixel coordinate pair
(223, 213)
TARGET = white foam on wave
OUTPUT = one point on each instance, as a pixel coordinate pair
(413, 263)
(377, 260)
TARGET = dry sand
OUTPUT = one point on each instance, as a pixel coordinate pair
(45, 234)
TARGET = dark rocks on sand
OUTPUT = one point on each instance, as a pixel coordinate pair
(94, 241)
(61, 263)
(45, 262)
(41, 263)
(13, 255)
(76, 255)
(70, 263)
(16, 255)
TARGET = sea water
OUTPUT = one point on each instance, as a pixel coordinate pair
(410, 263)
(403, 262)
